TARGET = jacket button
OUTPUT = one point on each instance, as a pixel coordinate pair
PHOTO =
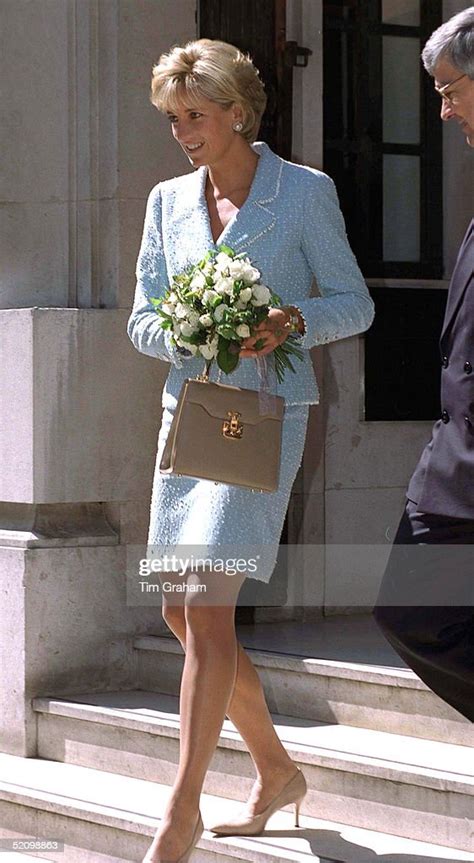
(445, 417)
(467, 367)
(445, 362)
(467, 422)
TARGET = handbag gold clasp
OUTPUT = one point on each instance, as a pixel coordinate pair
(232, 428)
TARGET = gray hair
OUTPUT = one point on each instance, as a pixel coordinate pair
(453, 41)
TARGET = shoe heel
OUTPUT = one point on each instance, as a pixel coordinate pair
(297, 811)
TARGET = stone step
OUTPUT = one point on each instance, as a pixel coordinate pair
(390, 783)
(364, 695)
(105, 818)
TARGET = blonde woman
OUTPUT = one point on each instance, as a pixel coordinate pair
(286, 218)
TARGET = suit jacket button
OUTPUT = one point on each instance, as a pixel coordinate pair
(467, 367)
(468, 422)
(445, 362)
(445, 417)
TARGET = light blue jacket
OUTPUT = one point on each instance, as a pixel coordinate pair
(291, 228)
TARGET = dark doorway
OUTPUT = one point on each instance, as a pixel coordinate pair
(258, 29)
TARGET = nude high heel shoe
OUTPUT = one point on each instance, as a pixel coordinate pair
(293, 792)
(187, 854)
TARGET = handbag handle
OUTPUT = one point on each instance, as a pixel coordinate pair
(204, 376)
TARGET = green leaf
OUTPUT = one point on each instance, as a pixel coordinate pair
(216, 302)
(163, 314)
(282, 357)
(227, 332)
(227, 361)
(198, 338)
(227, 250)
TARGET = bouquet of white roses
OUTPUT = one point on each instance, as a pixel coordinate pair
(212, 306)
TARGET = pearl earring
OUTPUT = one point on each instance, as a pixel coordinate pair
(237, 127)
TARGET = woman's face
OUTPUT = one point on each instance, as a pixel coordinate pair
(204, 130)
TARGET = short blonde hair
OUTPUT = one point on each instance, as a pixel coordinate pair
(214, 70)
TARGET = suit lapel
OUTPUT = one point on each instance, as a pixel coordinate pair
(460, 278)
(257, 216)
(186, 221)
(254, 219)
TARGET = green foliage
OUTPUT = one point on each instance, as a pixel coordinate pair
(226, 360)
(229, 343)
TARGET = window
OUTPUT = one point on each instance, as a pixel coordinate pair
(383, 143)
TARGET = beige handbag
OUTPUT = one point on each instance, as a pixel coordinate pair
(219, 433)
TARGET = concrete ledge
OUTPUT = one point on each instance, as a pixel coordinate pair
(80, 408)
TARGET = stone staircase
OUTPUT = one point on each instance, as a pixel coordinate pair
(390, 767)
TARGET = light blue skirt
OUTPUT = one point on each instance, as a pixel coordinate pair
(226, 520)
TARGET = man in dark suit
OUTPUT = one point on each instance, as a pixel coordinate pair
(426, 602)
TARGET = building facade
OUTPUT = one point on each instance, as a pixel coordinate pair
(80, 408)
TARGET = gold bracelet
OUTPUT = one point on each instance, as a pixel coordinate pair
(293, 324)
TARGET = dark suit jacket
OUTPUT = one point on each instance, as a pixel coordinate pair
(443, 481)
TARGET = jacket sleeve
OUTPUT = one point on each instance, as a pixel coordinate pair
(143, 325)
(345, 306)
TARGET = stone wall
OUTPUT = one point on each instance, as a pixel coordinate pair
(79, 407)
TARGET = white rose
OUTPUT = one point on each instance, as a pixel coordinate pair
(219, 312)
(245, 295)
(251, 274)
(198, 281)
(181, 310)
(208, 351)
(173, 298)
(193, 318)
(208, 268)
(261, 295)
(224, 285)
(239, 305)
(176, 328)
(206, 320)
(243, 331)
(209, 296)
(222, 261)
(168, 308)
(236, 269)
(187, 329)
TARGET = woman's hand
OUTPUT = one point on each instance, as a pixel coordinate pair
(273, 331)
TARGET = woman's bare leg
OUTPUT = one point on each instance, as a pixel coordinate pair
(248, 711)
(206, 686)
